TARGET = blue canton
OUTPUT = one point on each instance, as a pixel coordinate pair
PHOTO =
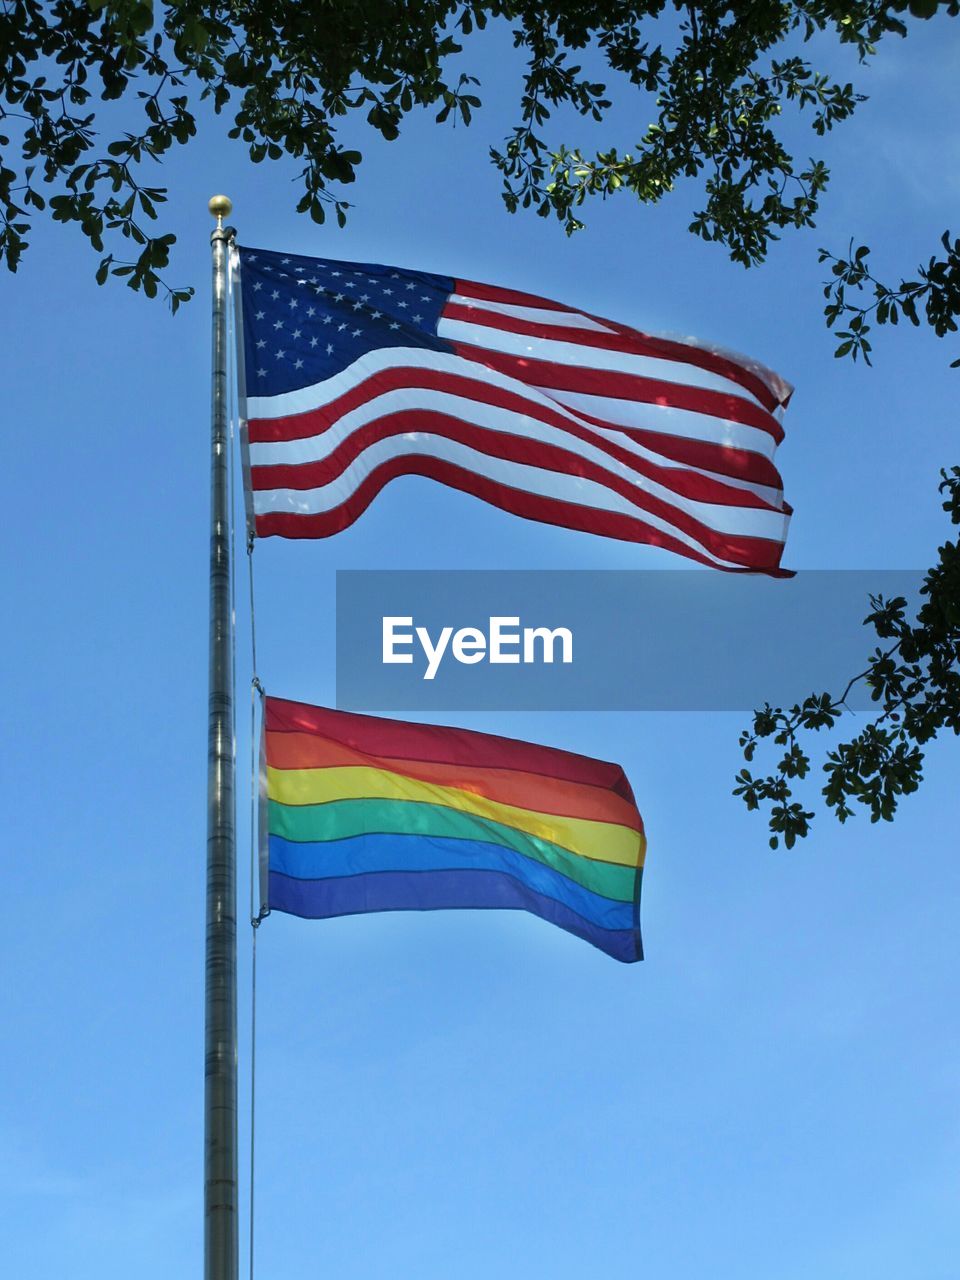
(305, 319)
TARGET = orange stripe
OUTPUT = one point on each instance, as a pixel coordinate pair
(508, 786)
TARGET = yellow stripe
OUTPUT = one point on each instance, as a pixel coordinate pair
(602, 841)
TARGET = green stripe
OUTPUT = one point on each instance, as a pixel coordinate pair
(341, 819)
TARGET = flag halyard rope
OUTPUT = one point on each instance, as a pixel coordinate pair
(256, 913)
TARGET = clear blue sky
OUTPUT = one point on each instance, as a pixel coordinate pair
(772, 1095)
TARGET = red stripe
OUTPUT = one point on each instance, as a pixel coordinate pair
(708, 455)
(668, 348)
(722, 459)
(757, 554)
(689, 353)
(561, 797)
(515, 446)
(312, 475)
(623, 386)
(401, 740)
(492, 293)
(624, 340)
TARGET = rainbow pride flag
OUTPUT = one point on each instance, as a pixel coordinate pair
(366, 814)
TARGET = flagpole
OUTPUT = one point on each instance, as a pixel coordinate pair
(220, 1011)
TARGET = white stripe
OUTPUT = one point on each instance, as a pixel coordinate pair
(536, 315)
(667, 418)
(681, 422)
(583, 357)
(779, 387)
(548, 484)
(722, 517)
(305, 399)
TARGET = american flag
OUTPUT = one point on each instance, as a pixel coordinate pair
(357, 373)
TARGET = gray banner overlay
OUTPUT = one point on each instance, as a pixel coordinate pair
(586, 640)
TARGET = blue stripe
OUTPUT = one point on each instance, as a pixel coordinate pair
(358, 855)
(437, 890)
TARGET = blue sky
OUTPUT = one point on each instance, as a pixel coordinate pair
(773, 1093)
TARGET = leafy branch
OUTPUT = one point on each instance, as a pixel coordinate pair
(718, 102)
(913, 676)
(936, 290)
(293, 74)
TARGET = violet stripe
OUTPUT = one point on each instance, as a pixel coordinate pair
(440, 890)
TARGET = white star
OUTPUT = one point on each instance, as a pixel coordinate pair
(394, 275)
(335, 275)
(261, 343)
(278, 324)
(340, 328)
(293, 303)
(339, 297)
(260, 315)
(417, 319)
(314, 340)
(261, 373)
(275, 295)
(300, 268)
(375, 315)
(394, 325)
(329, 348)
(311, 311)
(313, 280)
(298, 364)
(328, 319)
(251, 257)
(411, 285)
(402, 304)
(296, 333)
(364, 297)
(424, 297)
(357, 332)
(388, 291)
(258, 285)
(350, 284)
(281, 354)
(284, 261)
(358, 305)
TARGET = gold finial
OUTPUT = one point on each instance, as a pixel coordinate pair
(220, 207)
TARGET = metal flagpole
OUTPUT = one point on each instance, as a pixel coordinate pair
(220, 1031)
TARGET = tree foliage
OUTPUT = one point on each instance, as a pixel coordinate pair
(913, 676)
(936, 290)
(93, 90)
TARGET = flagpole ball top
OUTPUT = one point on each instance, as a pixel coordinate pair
(220, 207)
